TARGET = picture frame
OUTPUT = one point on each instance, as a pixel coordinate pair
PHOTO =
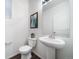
(34, 21)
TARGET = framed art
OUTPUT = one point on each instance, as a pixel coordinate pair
(34, 20)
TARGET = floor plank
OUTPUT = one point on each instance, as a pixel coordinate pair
(34, 56)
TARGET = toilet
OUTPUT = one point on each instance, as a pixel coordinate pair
(26, 49)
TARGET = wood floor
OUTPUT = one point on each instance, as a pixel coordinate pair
(34, 56)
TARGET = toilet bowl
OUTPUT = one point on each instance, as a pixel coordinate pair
(26, 49)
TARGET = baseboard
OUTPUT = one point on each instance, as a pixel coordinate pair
(13, 55)
(18, 56)
(38, 54)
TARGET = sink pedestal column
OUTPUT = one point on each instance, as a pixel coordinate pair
(50, 53)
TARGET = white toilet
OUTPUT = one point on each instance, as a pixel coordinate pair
(26, 50)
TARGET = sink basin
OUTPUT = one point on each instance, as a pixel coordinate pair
(57, 43)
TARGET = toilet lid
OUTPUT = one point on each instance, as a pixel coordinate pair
(25, 48)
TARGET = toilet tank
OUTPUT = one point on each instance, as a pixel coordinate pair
(32, 42)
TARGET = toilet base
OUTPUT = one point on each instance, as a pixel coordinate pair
(26, 56)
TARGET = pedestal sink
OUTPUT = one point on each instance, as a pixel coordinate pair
(52, 44)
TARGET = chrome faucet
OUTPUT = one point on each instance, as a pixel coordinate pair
(52, 35)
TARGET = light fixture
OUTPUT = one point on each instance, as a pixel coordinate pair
(45, 1)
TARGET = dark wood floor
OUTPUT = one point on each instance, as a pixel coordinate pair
(34, 56)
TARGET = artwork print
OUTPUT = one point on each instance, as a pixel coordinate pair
(34, 20)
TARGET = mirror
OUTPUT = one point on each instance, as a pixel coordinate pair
(34, 20)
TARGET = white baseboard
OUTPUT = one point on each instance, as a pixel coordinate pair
(18, 53)
(13, 55)
(38, 54)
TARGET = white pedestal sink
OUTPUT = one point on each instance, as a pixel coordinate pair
(52, 44)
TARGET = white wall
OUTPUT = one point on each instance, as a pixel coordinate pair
(62, 27)
(62, 19)
(35, 6)
(60, 16)
(16, 27)
(67, 52)
(56, 18)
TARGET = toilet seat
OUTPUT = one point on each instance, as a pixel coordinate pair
(25, 49)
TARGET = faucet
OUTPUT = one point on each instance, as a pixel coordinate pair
(52, 35)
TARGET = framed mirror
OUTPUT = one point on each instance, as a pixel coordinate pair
(34, 21)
